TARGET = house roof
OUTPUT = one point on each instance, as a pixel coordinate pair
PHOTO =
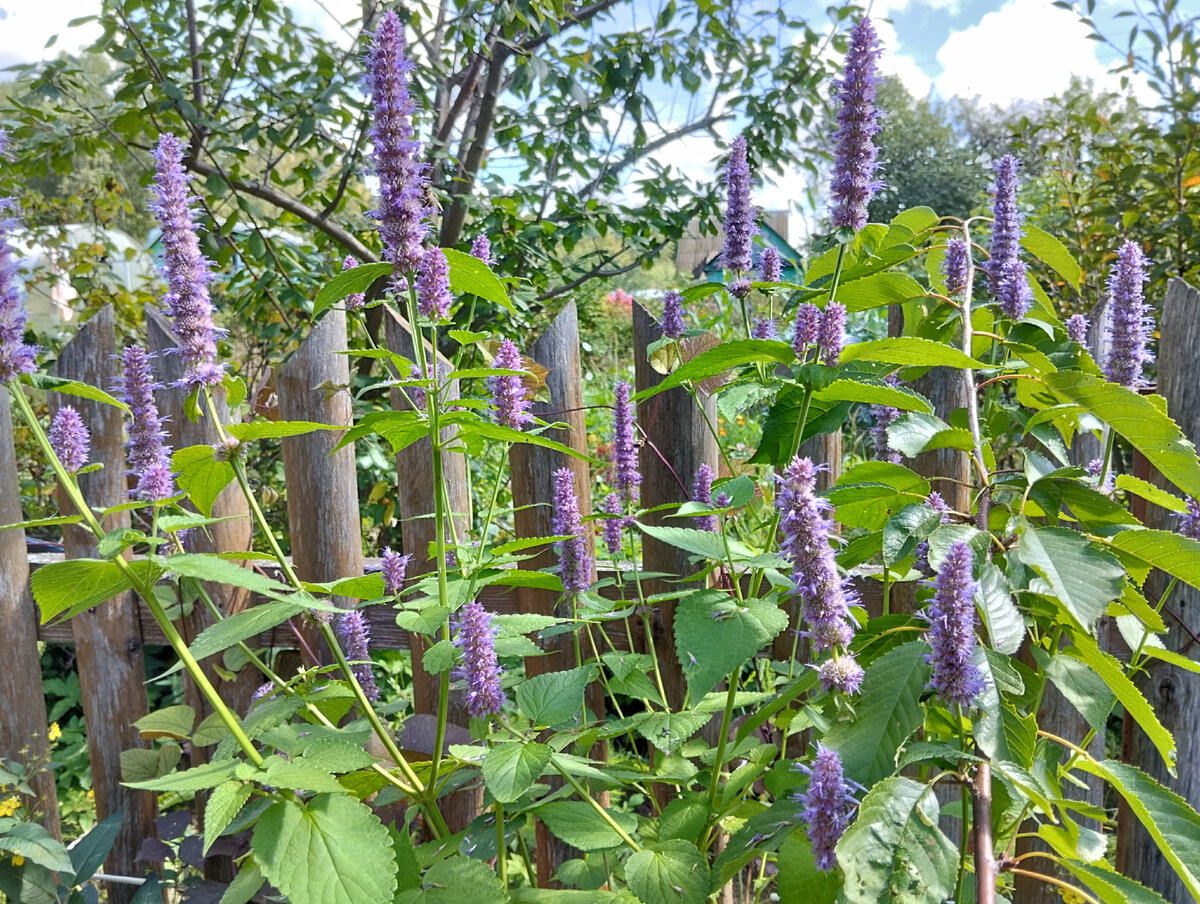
(697, 250)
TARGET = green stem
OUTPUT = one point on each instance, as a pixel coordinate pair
(965, 817)
(501, 847)
(723, 740)
(604, 814)
(1135, 661)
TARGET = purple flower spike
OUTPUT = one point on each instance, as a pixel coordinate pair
(614, 525)
(854, 164)
(574, 558)
(740, 216)
(476, 639)
(481, 249)
(885, 416)
(1132, 320)
(1006, 216)
(951, 615)
(146, 453)
(403, 213)
(354, 300)
(69, 438)
(1012, 289)
(841, 673)
(805, 544)
(672, 319)
(740, 287)
(508, 392)
(956, 265)
(828, 805)
(770, 267)
(624, 451)
(394, 567)
(935, 501)
(702, 492)
(764, 328)
(419, 396)
(1077, 329)
(1189, 521)
(355, 634)
(433, 285)
(185, 268)
(831, 335)
(16, 357)
(808, 326)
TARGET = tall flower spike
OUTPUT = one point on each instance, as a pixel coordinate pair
(1131, 321)
(828, 805)
(146, 453)
(69, 438)
(508, 391)
(574, 558)
(884, 416)
(1077, 329)
(16, 357)
(956, 265)
(186, 270)
(955, 679)
(355, 634)
(1006, 215)
(625, 456)
(480, 670)
(394, 567)
(354, 300)
(770, 267)
(1189, 521)
(1012, 289)
(808, 326)
(702, 492)
(672, 319)
(433, 285)
(805, 530)
(831, 335)
(613, 525)
(740, 216)
(403, 214)
(854, 164)
(764, 328)
(481, 249)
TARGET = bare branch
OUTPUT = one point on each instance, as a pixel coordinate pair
(602, 274)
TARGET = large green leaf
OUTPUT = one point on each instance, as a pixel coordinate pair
(1000, 730)
(198, 778)
(579, 825)
(1142, 423)
(1084, 577)
(714, 634)
(779, 428)
(675, 872)
(877, 290)
(329, 850)
(908, 350)
(225, 802)
(349, 282)
(1178, 556)
(72, 586)
(31, 841)
(1081, 685)
(888, 711)
(905, 529)
(874, 391)
(264, 429)
(471, 276)
(705, 543)
(1005, 626)
(245, 624)
(74, 388)
(919, 432)
(1051, 252)
(201, 476)
(510, 769)
(724, 357)
(800, 882)
(555, 696)
(456, 880)
(87, 853)
(894, 850)
(1110, 886)
(1170, 821)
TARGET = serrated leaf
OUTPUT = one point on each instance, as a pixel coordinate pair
(554, 697)
(1000, 730)
(714, 634)
(201, 476)
(31, 841)
(74, 388)
(1110, 886)
(298, 775)
(1150, 493)
(580, 826)
(349, 282)
(1084, 577)
(908, 350)
(1082, 687)
(336, 755)
(198, 778)
(1178, 556)
(1051, 252)
(919, 432)
(888, 711)
(894, 850)
(471, 276)
(673, 873)
(264, 429)
(510, 769)
(668, 731)
(245, 885)
(330, 850)
(456, 880)
(905, 529)
(1003, 620)
(224, 803)
(723, 357)
(72, 586)
(874, 391)
(170, 722)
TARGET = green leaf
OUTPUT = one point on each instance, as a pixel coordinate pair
(498, 432)
(780, 426)
(245, 624)
(456, 880)
(580, 826)
(668, 731)
(1000, 730)
(714, 635)
(908, 350)
(330, 850)
(225, 802)
(800, 882)
(1110, 886)
(264, 429)
(297, 775)
(1139, 420)
(74, 388)
(918, 432)
(510, 769)
(349, 282)
(888, 711)
(918, 219)
(1084, 577)
(43, 522)
(554, 697)
(74, 585)
(222, 571)
(874, 392)
(471, 276)
(88, 853)
(1005, 626)
(724, 357)
(170, 722)
(245, 884)
(1170, 821)
(1176, 555)
(674, 873)
(1083, 688)
(905, 529)
(201, 476)
(1051, 252)
(198, 778)
(34, 843)
(877, 290)
(1150, 493)
(894, 850)
(336, 755)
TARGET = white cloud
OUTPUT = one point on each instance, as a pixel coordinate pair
(902, 67)
(1027, 49)
(26, 25)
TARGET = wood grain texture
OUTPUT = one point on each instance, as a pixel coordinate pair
(1174, 693)
(23, 724)
(677, 441)
(108, 642)
(322, 485)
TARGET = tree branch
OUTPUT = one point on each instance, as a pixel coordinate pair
(634, 154)
(602, 274)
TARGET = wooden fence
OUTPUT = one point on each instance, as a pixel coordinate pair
(326, 543)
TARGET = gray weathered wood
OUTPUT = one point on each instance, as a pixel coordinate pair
(1174, 693)
(415, 502)
(23, 717)
(677, 441)
(108, 642)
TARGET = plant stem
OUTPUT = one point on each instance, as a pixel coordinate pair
(723, 740)
(501, 847)
(985, 856)
(604, 814)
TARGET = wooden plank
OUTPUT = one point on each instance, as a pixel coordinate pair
(22, 728)
(322, 485)
(678, 441)
(1173, 692)
(108, 641)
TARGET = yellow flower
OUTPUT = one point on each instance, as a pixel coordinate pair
(9, 806)
(55, 731)
(91, 795)
(18, 860)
